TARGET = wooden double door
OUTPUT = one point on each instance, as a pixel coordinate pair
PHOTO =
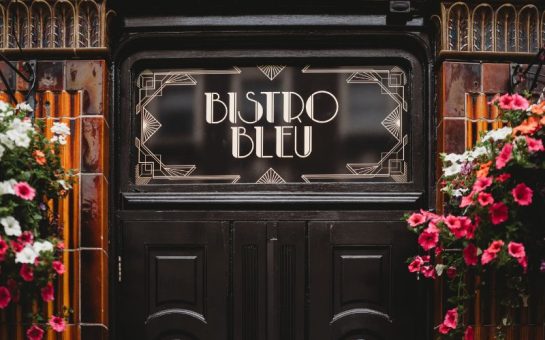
(188, 276)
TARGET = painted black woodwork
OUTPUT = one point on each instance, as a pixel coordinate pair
(275, 261)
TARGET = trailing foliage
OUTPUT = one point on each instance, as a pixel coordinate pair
(494, 216)
(32, 180)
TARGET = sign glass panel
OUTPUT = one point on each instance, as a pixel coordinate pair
(272, 124)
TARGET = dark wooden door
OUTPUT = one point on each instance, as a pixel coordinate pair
(174, 280)
(267, 280)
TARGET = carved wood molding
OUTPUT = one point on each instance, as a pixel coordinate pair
(54, 26)
(493, 28)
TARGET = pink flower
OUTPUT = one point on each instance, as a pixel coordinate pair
(469, 333)
(534, 145)
(470, 255)
(470, 229)
(519, 102)
(487, 257)
(57, 323)
(416, 219)
(522, 194)
(467, 200)
(415, 265)
(506, 102)
(443, 329)
(451, 272)
(58, 266)
(505, 156)
(26, 238)
(498, 213)
(48, 292)
(5, 297)
(516, 250)
(35, 333)
(428, 271)
(495, 246)
(457, 225)
(451, 318)
(485, 199)
(482, 183)
(24, 190)
(503, 177)
(27, 273)
(523, 261)
(3, 249)
(429, 238)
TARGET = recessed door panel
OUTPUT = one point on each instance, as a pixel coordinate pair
(175, 276)
(358, 285)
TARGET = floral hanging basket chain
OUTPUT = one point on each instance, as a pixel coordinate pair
(32, 180)
(493, 221)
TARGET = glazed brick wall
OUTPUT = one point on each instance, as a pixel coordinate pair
(75, 92)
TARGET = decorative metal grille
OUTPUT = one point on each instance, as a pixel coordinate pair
(53, 24)
(491, 27)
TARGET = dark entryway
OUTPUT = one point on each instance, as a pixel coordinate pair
(337, 276)
(224, 246)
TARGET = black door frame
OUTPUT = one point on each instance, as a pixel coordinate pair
(157, 39)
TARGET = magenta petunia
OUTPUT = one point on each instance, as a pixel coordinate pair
(24, 190)
(522, 194)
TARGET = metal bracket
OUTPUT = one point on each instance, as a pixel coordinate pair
(399, 11)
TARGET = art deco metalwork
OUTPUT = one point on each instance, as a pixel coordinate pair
(41, 25)
(491, 28)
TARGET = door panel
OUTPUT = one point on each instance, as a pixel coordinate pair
(358, 285)
(269, 280)
(175, 280)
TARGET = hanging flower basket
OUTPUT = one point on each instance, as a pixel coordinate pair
(32, 180)
(494, 216)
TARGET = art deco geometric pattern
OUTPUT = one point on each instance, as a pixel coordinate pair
(57, 24)
(391, 163)
(496, 27)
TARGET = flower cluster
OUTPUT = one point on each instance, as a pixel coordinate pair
(493, 218)
(31, 179)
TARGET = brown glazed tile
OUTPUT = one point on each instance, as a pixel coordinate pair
(9, 74)
(496, 77)
(92, 141)
(89, 76)
(454, 138)
(71, 332)
(94, 332)
(68, 294)
(71, 231)
(459, 78)
(50, 75)
(93, 286)
(93, 199)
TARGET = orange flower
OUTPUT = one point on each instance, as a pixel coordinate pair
(484, 169)
(539, 109)
(528, 126)
(39, 156)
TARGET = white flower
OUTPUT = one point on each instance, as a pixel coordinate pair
(499, 134)
(64, 185)
(59, 139)
(18, 132)
(452, 170)
(24, 107)
(459, 192)
(479, 151)
(27, 255)
(60, 129)
(453, 158)
(11, 226)
(3, 106)
(6, 187)
(2, 149)
(39, 247)
(5, 141)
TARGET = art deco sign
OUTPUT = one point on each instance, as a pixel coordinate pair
(272, 124)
